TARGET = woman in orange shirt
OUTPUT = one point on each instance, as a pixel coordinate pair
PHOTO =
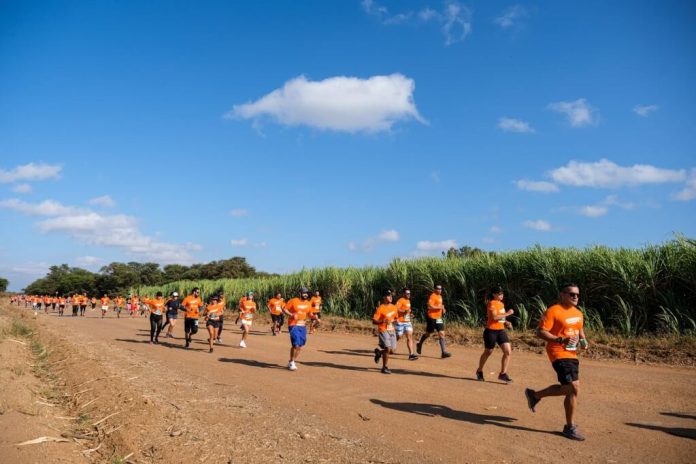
(213, 313)
(247, 308)
(494, 333)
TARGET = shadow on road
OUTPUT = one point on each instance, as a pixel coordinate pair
(251, 363)
(372, 369)
(681, 432)
(432, 410)
(165, 344)
(679, 415)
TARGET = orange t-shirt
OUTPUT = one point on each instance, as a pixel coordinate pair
(385, 314)
(104, 300)
(300, 309)
(192, 305)
(119, 301)
(215, 311)
(315, 301)
(404, 308)
(83, 300)
(435, 301)
(495, 308)
(561, 322)
(156, 305)
(247, 308)
(275, 306)
(61, 301)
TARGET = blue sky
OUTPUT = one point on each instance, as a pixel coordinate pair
(339, 133)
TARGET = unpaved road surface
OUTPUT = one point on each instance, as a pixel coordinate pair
(242, 405)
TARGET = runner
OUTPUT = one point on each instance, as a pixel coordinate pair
(47, 302)
(83, 304)
(297, 310)
(172, 307)
(435, 322)
(54, 302)
(223, 302)
(316, 303)
(247, 308)
(403, 323)
(191, 305)
(93, 301)
(104, 304)
(134, 305)
(143, 306)
(384, 318)
(61, 305)
(118, 303)
(562, 329)
(494, 333)
(275, 307)
(213, 311)
(75, 302)
(156, 310)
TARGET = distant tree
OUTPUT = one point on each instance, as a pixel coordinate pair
(173, 272)
(3, 284)
(463, 252)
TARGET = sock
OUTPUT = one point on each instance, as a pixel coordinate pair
(442, 344)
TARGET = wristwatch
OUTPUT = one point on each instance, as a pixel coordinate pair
(559, 339)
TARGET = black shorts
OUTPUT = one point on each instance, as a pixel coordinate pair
(277, 318)
(432, 325)
(494, 337)
(190, 325)
(567, 370)
(172, 315)
(213, 324)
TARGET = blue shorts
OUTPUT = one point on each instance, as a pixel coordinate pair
(403, 327)
(298, 335)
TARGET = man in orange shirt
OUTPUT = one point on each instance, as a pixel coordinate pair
(275, 307)
(104, 304)
(83, 303)
(494, 333)
(118, 303)
(435, 321)
(562, 330)
(316, 303)
(61, 305)
(298, 311)
(192, 304)
(384, 318)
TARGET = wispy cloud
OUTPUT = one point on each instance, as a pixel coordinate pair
(89, 261)
(105, 200)
(435, 177)
(594, 210)
(32, 269)
(579, 112)
(344, 104)
(239, 212)
(495, 230)
(536, 186)
(515, 125)
(109, 230)
(607, 174)
(239, 242)
(454, 18)
(644, 110)
(389, 235)
(539, 224)
(688, 193)
(22, 188)
(511, 17)
(431, 246)
(29, 172)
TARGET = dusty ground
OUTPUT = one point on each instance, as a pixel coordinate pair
(241, 405)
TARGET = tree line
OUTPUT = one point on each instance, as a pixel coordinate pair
(117, 278)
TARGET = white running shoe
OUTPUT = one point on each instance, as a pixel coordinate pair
(219, 341)
(292, 366)
(242, 344)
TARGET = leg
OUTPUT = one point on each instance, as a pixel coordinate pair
(484, 357)
(571, 402)
(159, 329)
(507, 349)
(153, 327)
(211, 338)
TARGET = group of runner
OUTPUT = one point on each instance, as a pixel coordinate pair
(561, 327)
(133, 304)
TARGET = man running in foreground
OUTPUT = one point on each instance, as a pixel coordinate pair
(384, 318)
(297, 310)
(104, 304)
(562, 329)
(403, 323)
(191, 304)
(435, 322)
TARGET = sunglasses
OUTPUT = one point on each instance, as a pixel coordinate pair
(572, 294)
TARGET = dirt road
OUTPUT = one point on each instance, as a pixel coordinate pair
(243, 405)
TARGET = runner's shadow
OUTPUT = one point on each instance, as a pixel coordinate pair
(432, 410)
(368, 369)
(251, 363)
(164, 344)
(679, 415)
(335, 366)
(676, 431)
(348, 352)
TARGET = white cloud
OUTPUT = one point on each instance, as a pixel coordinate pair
(32, 269)
(89, 260)
(260, 245)
(345, 104)
(644, 110)
(457, 23)
(578, 112)
(116, 230)
(594, 210)
(488, 240)
(239, 242)
(607, 174)
(30, 171)
(427, 14)
(22, 188)
(443, 245)
(390, 235)
(603, 207)
(688, 193)
(536, 186)
(239, 212)
(511, 17)
(495, 230)
(104, 200)
(539, 224)
(352, 246)
(515, 125)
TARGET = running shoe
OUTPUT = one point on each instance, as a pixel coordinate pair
(210, 350)
(242, 344)
(412, 357)
(571, 431)
(219, 341)
(479, 376)
(504, 378)
(446, 354)
(531, 399)
(187, 343)
(385, 370)
(292, 366)
(419, 348)
(378, 355)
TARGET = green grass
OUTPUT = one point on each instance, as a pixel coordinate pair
(624, 291)
(19, 329)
